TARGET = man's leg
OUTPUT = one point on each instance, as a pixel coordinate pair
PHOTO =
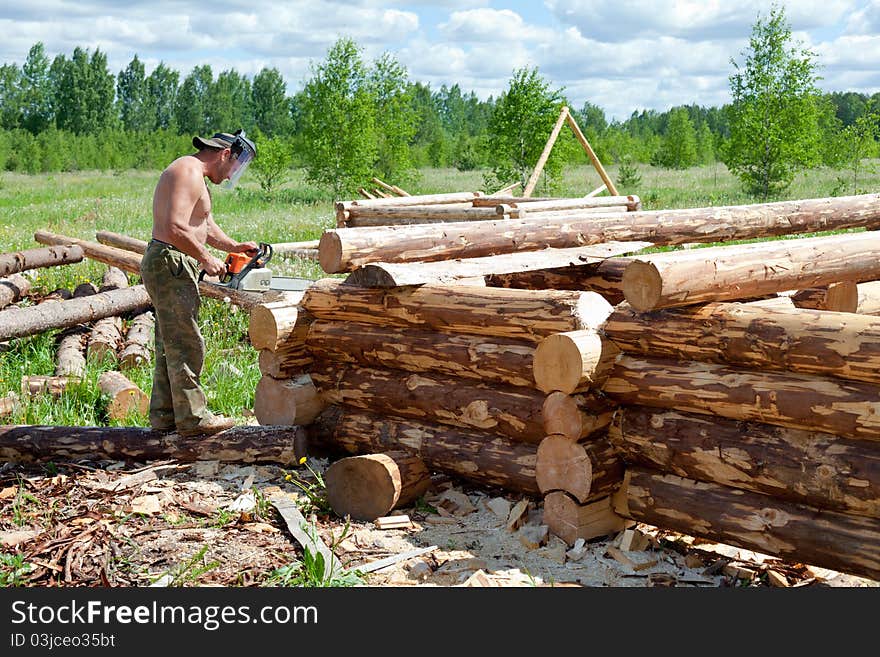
(161, 402)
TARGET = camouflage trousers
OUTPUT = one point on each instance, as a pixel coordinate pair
(171, 279)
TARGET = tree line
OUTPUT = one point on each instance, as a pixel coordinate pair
(354, 119)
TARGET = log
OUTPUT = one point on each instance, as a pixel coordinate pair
(542, 160)
(526, 212)
(573, 361)
(306, 249)
(85, 289)
(666, 280)
(344, 249)
(286, 363)
(394, 189)
(587, 471)
(391, 274)
(597, 164)
(869, 298)
(420, 199)
(287, 402)
(840, 297)
(124, 398)
(603, 278)
(113, 278)
(799, 401)
(29, 443)
(793, 532)
(755, 336)
(508, 411)
(70, 358)
(13, 288)
(52, 256)
(59, 294)
(272, 324)
(472, 455)
(369, 486)
(522, 207)
(497, 312)
(105, 339)
(570, 520)
(445, 212)
(121, 241)
(137, 348)
(576, 416)
(131, 262)
(805, 467)
(503, 198)
(491, 359)
(33, 385)
(63, 314)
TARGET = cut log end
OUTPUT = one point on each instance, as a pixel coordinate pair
(262, 328)
(330, 253)
(563, 465)
(642, 285)
(363, 487)
(565, 361)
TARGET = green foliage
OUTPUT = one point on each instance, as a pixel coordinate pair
(273, 162)
(191, 102)
(85, 93)
(12, 567)
(628, 176)
(315, 491)
(392, 99)
(859, 141)
(774, 114)
(191, 570)
(133, 98)
(679, 146)
(520, 124)
(36, 91)
(272, 107)
(338, 121)
(311, 572)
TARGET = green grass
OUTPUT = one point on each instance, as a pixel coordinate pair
(79, 204)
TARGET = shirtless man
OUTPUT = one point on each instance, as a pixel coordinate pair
(182, 227)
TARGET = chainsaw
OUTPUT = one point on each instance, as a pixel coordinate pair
(248, 273)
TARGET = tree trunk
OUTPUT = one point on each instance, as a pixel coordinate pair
(124, 397)
(570, 520)
(499, 360)
(799, 401)
(816, 469)
(39, 384)
(70, 358)
(421, 199)
(517, 208)
(793, 532)
(121, 241)
(504, 410)
(666, 280)
(520, 314)
(36, 319)
(413, 214)
(574, 361)
(131, 262)
(287, 402)
(13, 288)
(576, 416)
(51, 256)
(369, 486)
(472, 455)
(137, 348)
(286, 363)
(603, 278)
(343, 249)
(755, 336)
(105, 338)
(27, 444)
(476, 270)
(273, 323)
(587, 470)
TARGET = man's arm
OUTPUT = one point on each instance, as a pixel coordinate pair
(220, 240)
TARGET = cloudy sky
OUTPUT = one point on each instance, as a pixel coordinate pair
(624, 55)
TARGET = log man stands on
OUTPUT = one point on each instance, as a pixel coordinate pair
(182, 227)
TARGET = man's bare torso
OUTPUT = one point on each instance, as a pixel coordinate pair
(181, 202)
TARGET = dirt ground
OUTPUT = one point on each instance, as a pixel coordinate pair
(213, 524)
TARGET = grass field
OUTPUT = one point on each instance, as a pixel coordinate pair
(79, 204)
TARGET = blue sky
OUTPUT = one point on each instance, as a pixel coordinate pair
(625, 55)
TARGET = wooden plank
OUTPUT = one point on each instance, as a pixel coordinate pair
(308, 538)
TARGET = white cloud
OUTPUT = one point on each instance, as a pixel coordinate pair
(491, 26)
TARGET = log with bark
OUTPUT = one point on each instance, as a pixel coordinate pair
(755, 336)
(576, 416)
(287, 362)
(124, 398)
(63, 314)
(395, 215)
(472, 455)
(793, 532)
(723, 273)
(475, 271)
(30, 443)
(604, 278)
(39, 384)
(799, 401)
(369, 486)
(343, 249)
(131, 262)
(574, 361)
(517, 208)
(420, 199)
(499, 312)
(570, 520)
(499, 360)
(806, 467)
(13, 288)
(70, 356)
(586, 470)
(272, 324)
(51, 256)
(9, 404)
(104, 339)
(840, 297)
(509, 411)
(120, 241)
(287, 401)
(137, 348)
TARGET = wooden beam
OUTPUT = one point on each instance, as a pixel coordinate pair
(539, 167)
(591, 154)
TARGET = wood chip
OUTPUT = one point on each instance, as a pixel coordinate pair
(777, 579)
(517, 515)
(16, 537)
(8, 492)
(619, 556)
(146, 504)
(393, 522)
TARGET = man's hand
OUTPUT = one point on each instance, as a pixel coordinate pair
(245, 247)
(213, 266)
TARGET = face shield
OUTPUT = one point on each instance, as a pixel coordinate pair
(243, 153)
